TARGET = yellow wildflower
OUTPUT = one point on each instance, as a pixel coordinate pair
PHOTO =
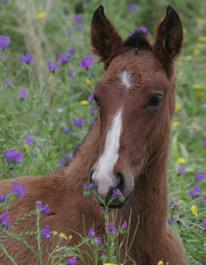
(194, 210)
(26, 148)
(198, 86)
(178, 107)
(175, 124)
(84, 102)
(200, 94)
(181, 161)
(199, 46)
(63, 236)
(202, 38)
(160, 262)
(89, 82)
(196, 51)
(54, 233)
(40, 15)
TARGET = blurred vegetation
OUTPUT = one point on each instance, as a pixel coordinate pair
(47, 28)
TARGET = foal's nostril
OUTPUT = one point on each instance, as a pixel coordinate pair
(92, 181)
(120, 181)
(90, 176)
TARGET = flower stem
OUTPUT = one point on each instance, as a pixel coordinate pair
(39, 238)
(7, 254)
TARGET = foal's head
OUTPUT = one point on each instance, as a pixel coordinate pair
(136, 100)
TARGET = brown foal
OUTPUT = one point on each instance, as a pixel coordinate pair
(127, 148)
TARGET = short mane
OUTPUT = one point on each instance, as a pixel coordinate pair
(137, 40)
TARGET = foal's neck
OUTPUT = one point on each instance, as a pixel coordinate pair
(150, 199)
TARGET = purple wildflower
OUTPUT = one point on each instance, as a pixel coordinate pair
(23, 94)
(103, 254)
(64, 58)
(45, 232)
(87, 62)
(71, 74)
(94, 111)
(12, 155)
(91, 98)
(124, 225)
(3, 197)
(91, 232)
(204, 224)
(72, 260)
(79, 22)
(65, 130)
(65, 160)
(68, 32)
(62, 162)
(4, 41)
(200, 176)
(111, 228)
(181, 170)
(29, 139)
(78, 19)
(143, 29)
(8, 82)
(5, 220)
(116, 193)
(78, 122)
(195, 192)
(87, 189)
(53, 67)
(44, 209)
(133, 7)
(204, 201)
(174, 204)
(26, 58)
(88, 186)
(99, 241)
(18, 189)
(71, 51)
(172, 220)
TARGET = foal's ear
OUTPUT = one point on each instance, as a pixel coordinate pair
(105, 40)
(169, 38)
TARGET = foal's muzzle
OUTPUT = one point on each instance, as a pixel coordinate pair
(113, 196)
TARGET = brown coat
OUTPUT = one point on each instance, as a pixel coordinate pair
(145, 148)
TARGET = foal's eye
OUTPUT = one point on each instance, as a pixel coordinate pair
(155, 101)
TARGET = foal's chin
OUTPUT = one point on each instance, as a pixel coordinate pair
(114, 204)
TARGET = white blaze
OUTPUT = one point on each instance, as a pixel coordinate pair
(103, 172)
(126, 79)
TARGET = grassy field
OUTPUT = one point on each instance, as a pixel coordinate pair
(45, 114)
